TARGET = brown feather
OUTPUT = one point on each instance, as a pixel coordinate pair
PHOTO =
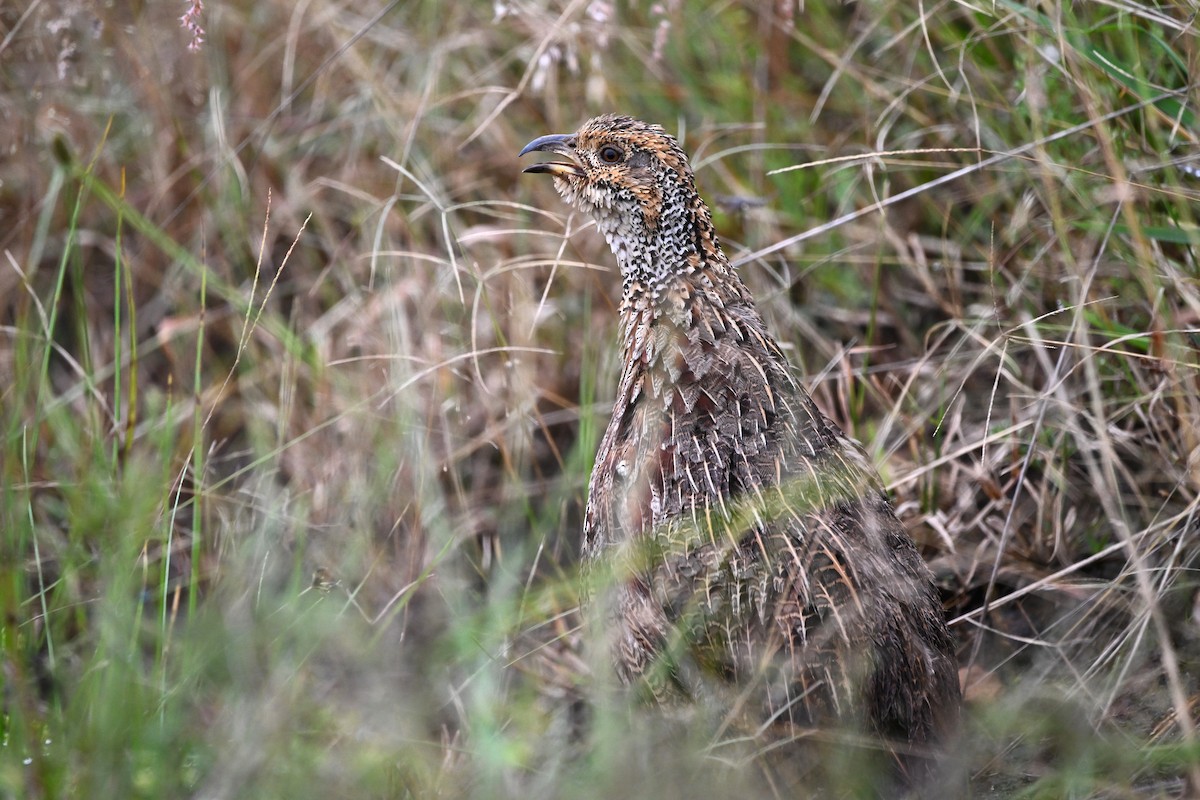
(760, 551)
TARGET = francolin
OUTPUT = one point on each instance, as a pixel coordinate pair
(759, 559)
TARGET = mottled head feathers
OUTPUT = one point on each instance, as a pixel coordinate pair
(633, 179)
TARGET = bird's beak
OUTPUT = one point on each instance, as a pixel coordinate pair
(554, 143)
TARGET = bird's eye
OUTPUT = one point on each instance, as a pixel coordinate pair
(610, 154)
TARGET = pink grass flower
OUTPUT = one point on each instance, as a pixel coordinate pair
(190, 21)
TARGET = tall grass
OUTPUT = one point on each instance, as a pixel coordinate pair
(301, 381)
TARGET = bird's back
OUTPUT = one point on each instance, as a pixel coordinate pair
(762, 561)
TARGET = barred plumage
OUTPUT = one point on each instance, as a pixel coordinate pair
(759, 550)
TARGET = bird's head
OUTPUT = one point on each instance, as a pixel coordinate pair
(633, 179)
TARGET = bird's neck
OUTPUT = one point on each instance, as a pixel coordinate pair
(673, 281)
(677, 251)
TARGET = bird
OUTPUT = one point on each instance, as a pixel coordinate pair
(754, 558)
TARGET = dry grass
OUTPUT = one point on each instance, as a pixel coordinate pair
(282, 306)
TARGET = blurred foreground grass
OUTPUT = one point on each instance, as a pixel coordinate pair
(301, 382)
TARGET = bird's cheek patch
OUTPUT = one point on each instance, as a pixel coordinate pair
(650, 199)
(645, 186)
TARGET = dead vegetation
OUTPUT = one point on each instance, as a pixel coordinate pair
(282, 307)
